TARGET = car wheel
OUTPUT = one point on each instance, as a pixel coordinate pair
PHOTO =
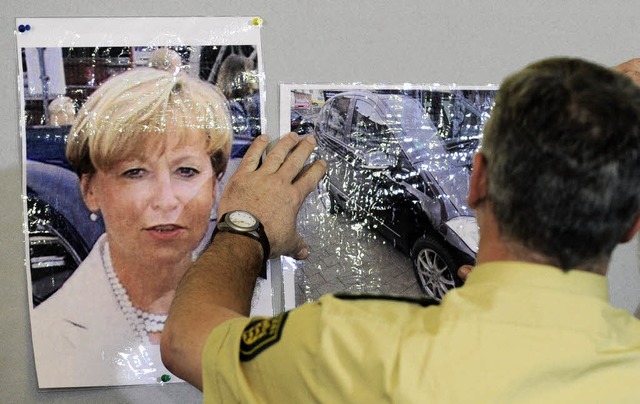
(434, 266)
(55, 249)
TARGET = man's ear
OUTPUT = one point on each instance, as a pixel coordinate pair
(479, 185)
(87, 185)
(633, 230)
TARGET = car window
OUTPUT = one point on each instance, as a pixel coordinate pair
(337, 116)
(321, 119)
(420, 140)
(369, 132)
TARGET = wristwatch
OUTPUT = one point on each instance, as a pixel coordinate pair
(246, 224)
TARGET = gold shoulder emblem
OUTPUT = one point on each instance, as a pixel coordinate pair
(260, 334)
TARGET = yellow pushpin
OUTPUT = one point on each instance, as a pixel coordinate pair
(257, 21)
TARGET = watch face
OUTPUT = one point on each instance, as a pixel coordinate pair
(242, 219)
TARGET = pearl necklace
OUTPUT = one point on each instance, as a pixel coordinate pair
(142, 322)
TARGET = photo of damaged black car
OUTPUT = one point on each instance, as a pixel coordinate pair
(401, 162)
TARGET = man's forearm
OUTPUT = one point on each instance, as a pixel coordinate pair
(220, 284)
(218, 287)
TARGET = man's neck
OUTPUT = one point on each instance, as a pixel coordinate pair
(494, 246)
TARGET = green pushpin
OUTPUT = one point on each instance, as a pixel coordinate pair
(165, 378)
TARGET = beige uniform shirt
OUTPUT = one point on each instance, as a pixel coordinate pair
(515, 333)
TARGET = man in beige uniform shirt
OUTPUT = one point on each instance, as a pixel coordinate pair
(556, 186)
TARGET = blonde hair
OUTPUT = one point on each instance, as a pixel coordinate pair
(137, 111)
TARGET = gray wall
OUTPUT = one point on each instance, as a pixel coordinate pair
(307, 41)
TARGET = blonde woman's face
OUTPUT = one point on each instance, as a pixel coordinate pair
(158, 207)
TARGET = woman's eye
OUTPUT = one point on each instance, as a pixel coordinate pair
(187, 172)
(133, 173)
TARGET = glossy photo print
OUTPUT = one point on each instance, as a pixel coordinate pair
(129, 137)
(391, 214)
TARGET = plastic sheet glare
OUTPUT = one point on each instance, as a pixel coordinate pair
(391, 212)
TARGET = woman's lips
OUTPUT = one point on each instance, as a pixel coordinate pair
(165, 231)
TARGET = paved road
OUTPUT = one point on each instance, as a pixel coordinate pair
(347, 256)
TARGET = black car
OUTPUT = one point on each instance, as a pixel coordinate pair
(389, 166)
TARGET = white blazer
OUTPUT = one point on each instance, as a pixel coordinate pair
(81, 337)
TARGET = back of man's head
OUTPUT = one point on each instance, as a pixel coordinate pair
(563, 153)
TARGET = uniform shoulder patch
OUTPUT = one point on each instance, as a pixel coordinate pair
(260, 334)
(422, 301)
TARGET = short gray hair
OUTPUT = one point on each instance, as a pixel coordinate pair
(563, 154)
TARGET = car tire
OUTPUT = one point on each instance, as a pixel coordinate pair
(434, 266)
(55, 249)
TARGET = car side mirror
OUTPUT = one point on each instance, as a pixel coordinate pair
(377, 160)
